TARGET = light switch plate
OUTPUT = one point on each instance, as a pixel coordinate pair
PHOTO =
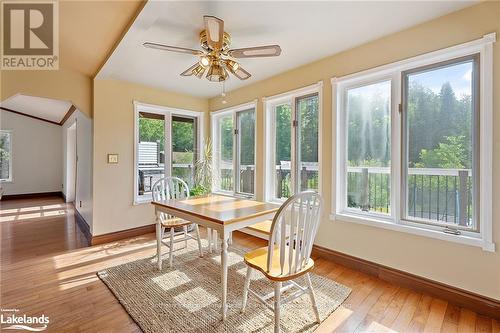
(112, 158)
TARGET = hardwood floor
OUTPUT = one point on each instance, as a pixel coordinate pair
(47, 268)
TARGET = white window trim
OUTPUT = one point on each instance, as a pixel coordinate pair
(11, 157)
(214, 116)
(269, 134)
(168, 112)
(484, 238)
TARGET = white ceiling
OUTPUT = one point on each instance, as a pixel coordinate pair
(45, 108)
(306, 31)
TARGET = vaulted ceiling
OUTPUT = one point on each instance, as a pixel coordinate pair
(88, 31)
(306, 31)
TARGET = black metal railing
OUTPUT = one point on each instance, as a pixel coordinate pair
(443, 195)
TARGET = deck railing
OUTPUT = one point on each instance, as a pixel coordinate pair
(148, 175)
(308, 179)
(443, 195)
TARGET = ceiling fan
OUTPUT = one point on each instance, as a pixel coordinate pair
(216, 56)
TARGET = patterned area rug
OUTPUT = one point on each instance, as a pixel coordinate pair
(186, 298)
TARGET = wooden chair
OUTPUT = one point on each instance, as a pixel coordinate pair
(288, 253)
(173, 188)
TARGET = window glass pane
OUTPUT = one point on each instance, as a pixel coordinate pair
(283, 182)
(183, 148)
(369, 147)
(225, 128)
(246, 127)
(308, 166)
(440, 144)
(5, 155)
(151, 157)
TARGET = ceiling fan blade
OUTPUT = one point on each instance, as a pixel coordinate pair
(189, 71)
(256, 52)
(164, 47)
(215, 31)
(241, 74)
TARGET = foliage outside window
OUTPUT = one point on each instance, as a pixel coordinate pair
(5, 156)
(233, 134)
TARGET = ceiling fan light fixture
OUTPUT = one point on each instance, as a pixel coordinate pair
(205, 61)
(216, 73)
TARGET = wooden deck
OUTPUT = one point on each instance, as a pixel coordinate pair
(47, 268)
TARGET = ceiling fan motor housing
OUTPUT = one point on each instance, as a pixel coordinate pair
(204, 43)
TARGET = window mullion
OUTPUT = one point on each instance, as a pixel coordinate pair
(294, 148)
(168, 144)
(396, 190)
(236, 162)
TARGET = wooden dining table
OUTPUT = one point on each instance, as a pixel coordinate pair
(218, 212)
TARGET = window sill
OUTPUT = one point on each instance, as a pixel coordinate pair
(142, 201)
(390, 225)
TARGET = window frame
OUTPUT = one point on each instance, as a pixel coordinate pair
(270, 104)
(168, 113)
(234, 112)
(396, 221)
(11, 157)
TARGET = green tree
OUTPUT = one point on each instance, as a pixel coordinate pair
(450, 154)
(152, 130)
(283, 120)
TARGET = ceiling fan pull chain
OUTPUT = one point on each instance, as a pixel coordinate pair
(223, 93)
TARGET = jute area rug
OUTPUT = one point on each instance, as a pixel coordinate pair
(186, 298)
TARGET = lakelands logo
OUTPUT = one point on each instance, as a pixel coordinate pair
(10, 320)
(30, 35)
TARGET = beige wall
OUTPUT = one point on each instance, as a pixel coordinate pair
(114, 133)
(462, 266)
(61, 84)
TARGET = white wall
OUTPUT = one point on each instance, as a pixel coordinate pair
(36, 156)
(84, 133)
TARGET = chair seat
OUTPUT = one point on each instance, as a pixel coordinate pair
(174, 222)
(262, 227)
(257, 259)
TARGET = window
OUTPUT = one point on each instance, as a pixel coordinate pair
(292, 132)
(233, 135)
(440, 120)
(409, 150)
(5, 156)
(184, 148)
(167, 142)
(368, 110)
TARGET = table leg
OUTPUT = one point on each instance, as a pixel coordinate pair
(209, 239)
(215, 238)
(158, 240)
(224, 274)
